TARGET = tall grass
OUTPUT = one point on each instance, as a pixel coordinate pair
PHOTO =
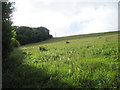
(84, 62)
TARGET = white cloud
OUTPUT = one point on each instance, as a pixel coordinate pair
(59, 16)
(105, 19)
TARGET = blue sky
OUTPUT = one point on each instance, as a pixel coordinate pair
(77, 26)
(68, 17)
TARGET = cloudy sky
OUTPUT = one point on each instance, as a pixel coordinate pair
(68, 17)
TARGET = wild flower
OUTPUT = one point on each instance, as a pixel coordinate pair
(69, 70)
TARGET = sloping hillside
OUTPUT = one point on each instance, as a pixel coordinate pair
(78, 61)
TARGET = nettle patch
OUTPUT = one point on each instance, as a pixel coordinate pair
(26, 53)
(43, 48)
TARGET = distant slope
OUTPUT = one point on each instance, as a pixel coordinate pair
(86, 35)
(58, 39)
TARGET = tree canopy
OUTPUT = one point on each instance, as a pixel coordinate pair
(27, 35)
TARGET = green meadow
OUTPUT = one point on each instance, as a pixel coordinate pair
(86, 61)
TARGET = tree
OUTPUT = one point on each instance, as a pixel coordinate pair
(27, 35)
(8, 34)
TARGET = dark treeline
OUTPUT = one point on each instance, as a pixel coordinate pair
(26, 35)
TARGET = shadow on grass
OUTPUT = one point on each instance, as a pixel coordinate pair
(18, 74)
(26, 76)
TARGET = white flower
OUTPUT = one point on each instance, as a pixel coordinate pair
(69, 70)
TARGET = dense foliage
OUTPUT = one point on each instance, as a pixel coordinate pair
(8, 34)
(27, 35)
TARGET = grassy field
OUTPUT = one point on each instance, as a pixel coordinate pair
(89, 60)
